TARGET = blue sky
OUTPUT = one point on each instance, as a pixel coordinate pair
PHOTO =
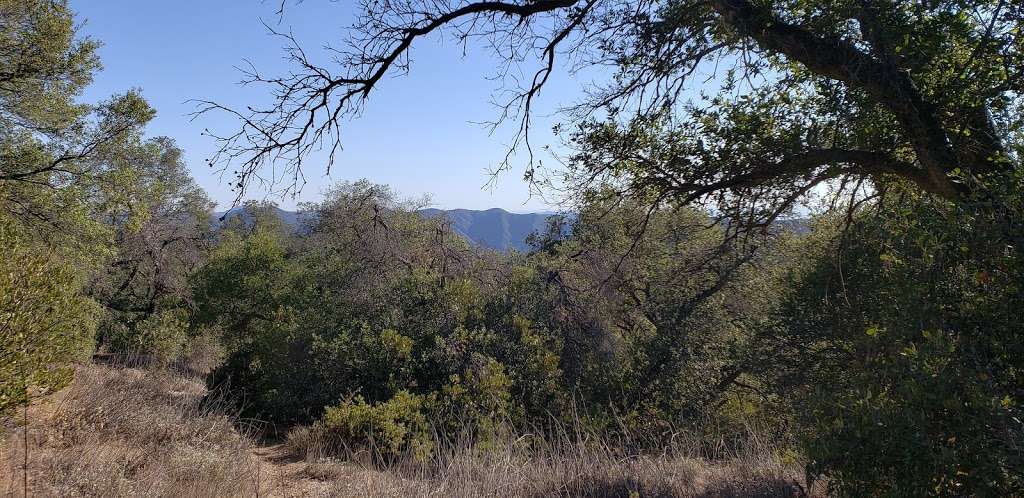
(417, 132)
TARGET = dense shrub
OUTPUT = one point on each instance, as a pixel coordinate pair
(372, 300)
(907, 357)
(161, 336)
(45, 320)
(389, 429)
(886, 345)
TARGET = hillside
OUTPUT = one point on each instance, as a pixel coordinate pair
(493, 228)
(291, 218)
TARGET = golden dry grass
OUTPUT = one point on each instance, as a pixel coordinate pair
(133, 432)
(127, 432)
(571, 466)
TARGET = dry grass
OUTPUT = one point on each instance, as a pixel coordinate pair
(573, 476)
(571, 466)
(128, 432)
(134, 432)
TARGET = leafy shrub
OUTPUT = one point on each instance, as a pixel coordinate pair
(388, 429)
(478, 401)
(45, 321)
(907, 353)
(367, 300)
(162, 336)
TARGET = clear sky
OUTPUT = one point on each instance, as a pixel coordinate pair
(417, 133)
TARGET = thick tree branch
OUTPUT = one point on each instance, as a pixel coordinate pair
(809, 162)
(841, 60)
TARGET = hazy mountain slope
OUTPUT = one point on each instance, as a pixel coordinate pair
(493, 228)
(290, 218)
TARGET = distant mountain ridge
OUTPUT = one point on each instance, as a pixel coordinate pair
(493, 228)
(290, 218)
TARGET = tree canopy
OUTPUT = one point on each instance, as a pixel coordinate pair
(746, 106)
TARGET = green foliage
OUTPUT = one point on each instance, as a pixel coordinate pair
(405, 423)
(309, 321)
(162, 335)
(243, 280)
(375, 300)
(144, 287)
(87, 202)
(476, 402)
(909, 365)
(45, 320)
(46, 65)
(391, 428)
(889, 346)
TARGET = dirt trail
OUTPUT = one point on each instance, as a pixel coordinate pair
(282, 474)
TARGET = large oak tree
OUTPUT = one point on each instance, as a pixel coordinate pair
(741, 104)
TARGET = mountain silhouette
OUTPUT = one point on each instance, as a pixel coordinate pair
(492, 228)
(220, 218)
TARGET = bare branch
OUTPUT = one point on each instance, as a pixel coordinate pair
(311, 102)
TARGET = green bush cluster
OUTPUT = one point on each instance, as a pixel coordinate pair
(99, 225)
(161, 335)
(407, 423)
(884, 347)
(910, 363)
(365, 307)
(46, 322)
(390, 429)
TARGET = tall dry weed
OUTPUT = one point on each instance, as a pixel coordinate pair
(566, 462)
(129, 432)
